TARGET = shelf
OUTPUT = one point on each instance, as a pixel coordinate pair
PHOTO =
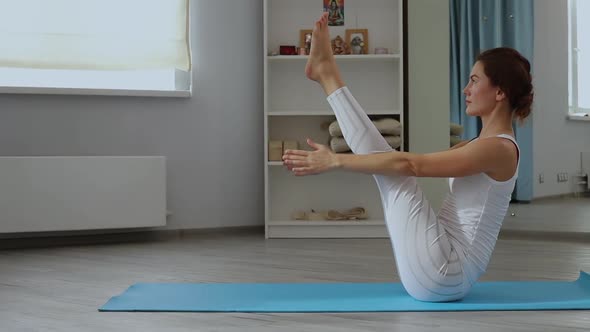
(363, 57)
(295, 109)
(324, 113)
(327, 223)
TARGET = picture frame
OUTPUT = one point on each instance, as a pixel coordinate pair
(358, 40)
(305, 40)
(335, 10)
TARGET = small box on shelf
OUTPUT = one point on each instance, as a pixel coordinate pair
(275, 150)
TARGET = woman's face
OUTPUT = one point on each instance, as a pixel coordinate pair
(480, 95)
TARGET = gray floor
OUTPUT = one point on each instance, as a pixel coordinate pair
(567, 214)
(60, 288)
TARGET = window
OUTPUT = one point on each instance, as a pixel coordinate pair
(579, 57)
(114, 47)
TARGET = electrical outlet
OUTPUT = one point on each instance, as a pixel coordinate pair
(562, 177)
(541, 178)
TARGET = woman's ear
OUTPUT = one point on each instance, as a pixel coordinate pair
(500, 95)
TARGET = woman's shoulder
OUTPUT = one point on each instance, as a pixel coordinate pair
(506, 150)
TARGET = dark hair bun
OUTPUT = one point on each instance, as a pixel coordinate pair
(510, 71)
(523, 107)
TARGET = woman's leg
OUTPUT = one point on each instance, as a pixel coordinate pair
(428, 264)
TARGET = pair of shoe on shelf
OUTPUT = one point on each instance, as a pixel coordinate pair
(357, 213)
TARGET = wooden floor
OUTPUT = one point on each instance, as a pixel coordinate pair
(566, 214)
(61, 288)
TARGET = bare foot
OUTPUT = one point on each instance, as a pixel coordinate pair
(321, 65)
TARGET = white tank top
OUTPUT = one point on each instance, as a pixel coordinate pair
(473, 213)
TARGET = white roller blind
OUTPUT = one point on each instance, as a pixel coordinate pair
(94, 34)
(583, 23)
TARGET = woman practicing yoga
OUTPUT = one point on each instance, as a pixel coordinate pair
(438, 257)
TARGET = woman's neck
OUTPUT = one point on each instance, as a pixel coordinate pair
(499, 121)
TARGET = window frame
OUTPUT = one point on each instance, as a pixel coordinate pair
(574, 110)
(183, 82)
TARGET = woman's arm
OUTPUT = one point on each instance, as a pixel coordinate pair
(491, 155)
(458, 145)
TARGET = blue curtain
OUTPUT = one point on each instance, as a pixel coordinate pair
(478, 25)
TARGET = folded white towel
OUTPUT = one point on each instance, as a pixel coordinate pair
(386, 126)
(338, 144)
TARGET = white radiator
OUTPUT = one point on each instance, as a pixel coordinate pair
(40, 194)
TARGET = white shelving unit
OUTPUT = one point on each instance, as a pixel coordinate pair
(295, 108)
(349, 57)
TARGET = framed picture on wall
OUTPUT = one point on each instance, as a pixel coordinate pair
(335, 10)
(358, 41)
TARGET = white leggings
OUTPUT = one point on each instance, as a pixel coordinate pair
(429, 266)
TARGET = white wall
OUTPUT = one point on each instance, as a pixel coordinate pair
(557, 141)
(429, 77)
(213, 141)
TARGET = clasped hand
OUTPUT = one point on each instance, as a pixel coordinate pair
(302, 162)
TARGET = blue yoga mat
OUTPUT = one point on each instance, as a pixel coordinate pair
(347, 297)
